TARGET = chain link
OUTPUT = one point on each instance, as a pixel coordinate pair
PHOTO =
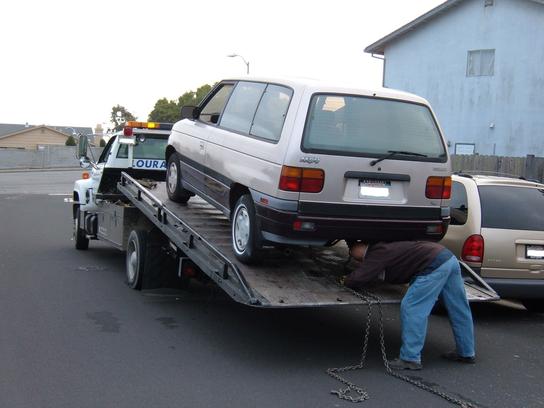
(361, 395)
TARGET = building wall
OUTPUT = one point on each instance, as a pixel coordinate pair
(502, 114)
(34, 137)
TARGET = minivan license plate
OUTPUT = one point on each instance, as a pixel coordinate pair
(535, 252)
(374, 188)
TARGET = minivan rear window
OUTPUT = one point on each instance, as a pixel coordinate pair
(518, 208)
(364, 126)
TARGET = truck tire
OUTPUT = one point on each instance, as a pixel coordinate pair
(80, 238)
(135, 258)
(174, 187)
(246, 237)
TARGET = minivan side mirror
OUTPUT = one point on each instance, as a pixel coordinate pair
(189, 112)
(82, 146)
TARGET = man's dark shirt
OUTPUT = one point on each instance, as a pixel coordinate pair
(401, 261)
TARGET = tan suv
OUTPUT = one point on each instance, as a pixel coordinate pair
(301, 162)
(497, 227)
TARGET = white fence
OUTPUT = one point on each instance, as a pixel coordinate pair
(49, 157)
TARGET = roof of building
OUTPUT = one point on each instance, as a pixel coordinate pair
(379, 46)
(9, 129)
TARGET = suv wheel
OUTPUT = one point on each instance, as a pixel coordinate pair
(245, 235)
(173, 181)
(534, 305)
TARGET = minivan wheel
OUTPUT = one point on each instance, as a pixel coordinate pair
(534, 305)
(245, 235)
(173, 181)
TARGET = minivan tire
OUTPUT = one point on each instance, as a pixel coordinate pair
(534, 305)
(174, 187)
(246, 237)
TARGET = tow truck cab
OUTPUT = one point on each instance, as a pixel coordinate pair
(139, 150)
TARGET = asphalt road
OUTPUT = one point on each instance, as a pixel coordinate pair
(72, 334)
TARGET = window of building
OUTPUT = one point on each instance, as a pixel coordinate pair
(481, 63)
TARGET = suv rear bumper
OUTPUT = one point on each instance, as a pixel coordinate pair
(344, 225)
(517, 288)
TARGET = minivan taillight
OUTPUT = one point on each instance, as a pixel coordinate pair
(473, 249)
(438, 188)
(301, 179)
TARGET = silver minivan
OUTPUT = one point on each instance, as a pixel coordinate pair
(302, 162)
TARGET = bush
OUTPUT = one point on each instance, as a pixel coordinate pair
(102, 143)
(70, 141)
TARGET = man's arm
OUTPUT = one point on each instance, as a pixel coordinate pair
(367, 272)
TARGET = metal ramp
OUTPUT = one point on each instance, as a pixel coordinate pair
(297, 277)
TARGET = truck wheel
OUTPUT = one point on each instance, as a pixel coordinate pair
(80, 238)
(174, 187)
(534, 305)
(135, 261)
(246, 241)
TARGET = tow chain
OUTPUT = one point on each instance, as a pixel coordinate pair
(361, 395)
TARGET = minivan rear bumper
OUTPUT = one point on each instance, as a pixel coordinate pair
(339, 221)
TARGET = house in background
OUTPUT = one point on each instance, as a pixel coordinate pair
(32, 137)
(480, 63)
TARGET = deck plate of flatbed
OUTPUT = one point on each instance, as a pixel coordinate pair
(292, 277)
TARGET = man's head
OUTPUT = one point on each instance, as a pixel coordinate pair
(358, 250)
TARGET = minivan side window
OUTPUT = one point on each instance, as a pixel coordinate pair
(458, 204)
(212, 110)
(240, 109)
(270, 115)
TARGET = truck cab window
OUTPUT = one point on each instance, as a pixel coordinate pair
(107, 150)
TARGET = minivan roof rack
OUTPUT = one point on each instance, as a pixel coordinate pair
(471, 173)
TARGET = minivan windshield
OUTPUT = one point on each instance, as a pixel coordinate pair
(364, 126)
(507, 207)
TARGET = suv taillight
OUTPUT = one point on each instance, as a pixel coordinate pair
(473, 249)
(438, 188)
(301, 179)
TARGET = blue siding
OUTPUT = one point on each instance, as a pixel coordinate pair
(502, 114)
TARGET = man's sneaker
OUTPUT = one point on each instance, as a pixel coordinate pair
(453, 356)
(398, 364)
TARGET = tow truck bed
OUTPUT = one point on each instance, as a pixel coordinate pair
(297, 277)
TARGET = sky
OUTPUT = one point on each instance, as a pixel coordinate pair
(68, 62)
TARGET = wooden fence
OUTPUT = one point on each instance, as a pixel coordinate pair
(529, 167)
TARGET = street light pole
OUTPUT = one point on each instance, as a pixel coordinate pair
(243, 59)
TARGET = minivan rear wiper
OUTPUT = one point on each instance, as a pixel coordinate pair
(392, 153)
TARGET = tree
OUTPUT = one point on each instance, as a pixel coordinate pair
(194, 98)
(119, 116)
(165, 111)
(169, 111)
(71, 141)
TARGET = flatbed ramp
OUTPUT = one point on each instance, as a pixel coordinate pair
(296, 277)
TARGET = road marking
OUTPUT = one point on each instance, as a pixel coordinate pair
(59, 194)
(68, 200)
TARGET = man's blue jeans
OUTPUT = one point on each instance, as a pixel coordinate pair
(418, 302)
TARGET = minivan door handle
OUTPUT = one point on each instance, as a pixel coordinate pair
(202, 145)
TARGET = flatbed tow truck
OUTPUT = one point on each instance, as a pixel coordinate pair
(167, 243)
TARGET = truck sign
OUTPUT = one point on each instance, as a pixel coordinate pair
(149, 164)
